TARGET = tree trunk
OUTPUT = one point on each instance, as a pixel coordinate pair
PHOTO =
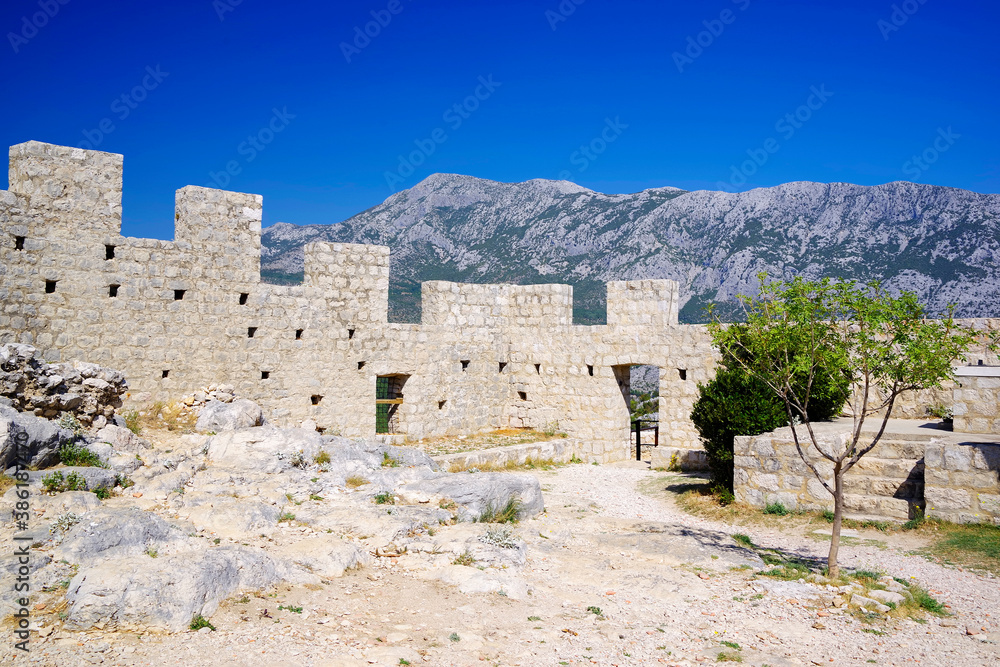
(838, 516)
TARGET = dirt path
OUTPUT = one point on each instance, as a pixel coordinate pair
(613, 576)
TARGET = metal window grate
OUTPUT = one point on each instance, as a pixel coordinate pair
(381, 409)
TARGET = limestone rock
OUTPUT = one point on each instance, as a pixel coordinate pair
(31, 384)
(325, 556)
(117, 533)
(475, 493)
(222, 416)
(41, 439)
(121, 439)
(229, 517)
(266, 449)
(168, 592)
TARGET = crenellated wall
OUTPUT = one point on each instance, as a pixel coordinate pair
(178, 315)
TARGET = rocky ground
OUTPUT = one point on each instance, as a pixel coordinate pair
(611, 573)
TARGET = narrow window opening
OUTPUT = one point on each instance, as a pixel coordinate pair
(113, 290)
(179, 294)
(682, 372)
(165, 374)
(350, 334)
(441, 405)
(465, 365)
(523, 395)
(502, 365)
(18, 243)
(251, 332)
(538, 368)
(590, 370)
(315, 399)
(243, 298)
(298, 334)
(361, 364)
(50, 286)
(109, 252)
(265, 375)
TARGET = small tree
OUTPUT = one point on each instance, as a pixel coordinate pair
(883, 345)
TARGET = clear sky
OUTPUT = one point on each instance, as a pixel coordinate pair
(325, 121)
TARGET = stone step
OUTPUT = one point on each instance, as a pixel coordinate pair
(878, 506)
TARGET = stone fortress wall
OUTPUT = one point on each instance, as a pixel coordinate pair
(178, 315)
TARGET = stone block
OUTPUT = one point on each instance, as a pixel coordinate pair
(957, 457)
(939, 498)
(989, 503)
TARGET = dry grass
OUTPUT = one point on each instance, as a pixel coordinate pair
(5, 483)
(354, 481)
(171, 416)
(510, 466)
(498, 438)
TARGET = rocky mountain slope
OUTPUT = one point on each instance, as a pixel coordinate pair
(942, 243)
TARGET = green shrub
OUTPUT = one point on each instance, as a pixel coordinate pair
(199, 622)
(56, 483)
(734, 403)
(102, 493)
(777, 509)
(384, 498)
(72, 454)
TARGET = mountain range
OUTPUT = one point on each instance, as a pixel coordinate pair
(942, 243)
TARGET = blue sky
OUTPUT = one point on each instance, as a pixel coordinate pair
(324, 120)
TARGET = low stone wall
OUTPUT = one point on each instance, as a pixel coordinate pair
(560, 451)
(975, 399)
(888, 482)
(962, 482)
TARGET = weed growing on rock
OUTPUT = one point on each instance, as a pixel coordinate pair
(62, 525)
(384, 498)
(298, 460)
(322, 458)
(294, 610)
(743, 540)
(501, 536)
(388, 461)
(199, 622)
(728, 656)
(72, 454)
(56, 483)
(596, 611)
(354, 481)
(454, 637)
(464, 558)
(68, 421)
(102, 493)
(509, 513)
(151, 552)
(123, 481)
(132, 421)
